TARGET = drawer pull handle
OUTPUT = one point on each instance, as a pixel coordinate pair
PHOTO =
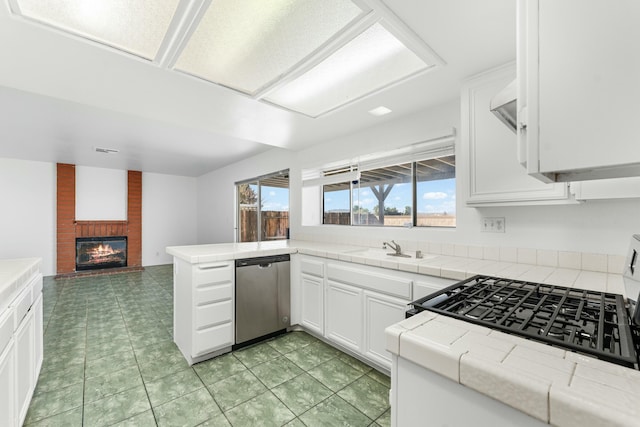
(211, 266)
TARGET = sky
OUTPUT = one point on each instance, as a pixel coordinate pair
(275, 199)
(433, 197)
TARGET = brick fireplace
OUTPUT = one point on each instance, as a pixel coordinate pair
(68, 229)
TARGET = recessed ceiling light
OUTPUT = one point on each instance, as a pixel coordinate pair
(379, 111)
(107, 150)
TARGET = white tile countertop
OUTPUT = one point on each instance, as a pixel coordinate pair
(446, 266)
(196, 254)
(558, 387)
(14, 275)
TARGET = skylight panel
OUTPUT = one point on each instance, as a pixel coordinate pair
(246, 44)
(136, 26)
(372, 61)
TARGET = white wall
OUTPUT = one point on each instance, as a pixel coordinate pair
(216, 193)
(27, 215)
(169, 215)
(101, 194)
(596, 226)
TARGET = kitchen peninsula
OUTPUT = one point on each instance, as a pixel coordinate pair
(553, 386)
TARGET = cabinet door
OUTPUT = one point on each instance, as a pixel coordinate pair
(380, 312)
(312, 303)
(38, 337)
(422, 289)
(604, 189)
(212, 338)
(25, 362)
(495, 176)
(8, 403)
(344, 315)
(581, 87)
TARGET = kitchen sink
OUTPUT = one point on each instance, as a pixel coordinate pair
(379, 253)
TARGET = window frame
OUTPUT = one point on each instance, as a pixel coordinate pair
(259, 182)
(441, 149)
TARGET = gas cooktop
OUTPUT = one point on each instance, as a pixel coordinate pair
(589, 322)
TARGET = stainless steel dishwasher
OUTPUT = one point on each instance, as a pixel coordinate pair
(263, 302)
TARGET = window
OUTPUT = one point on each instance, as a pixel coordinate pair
(336, 195)
(263, 208)
(336, 199)
(384, 196)
(436, 192)
(408, 193)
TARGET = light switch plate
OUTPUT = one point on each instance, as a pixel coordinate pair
(493, 224)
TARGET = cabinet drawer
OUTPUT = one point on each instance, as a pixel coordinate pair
(314, 268)
(218, 272)
(21, 306)
(36, 286)
(6, 329)
(375, 281)
(213, 314)
(206, 294)
(211, 339)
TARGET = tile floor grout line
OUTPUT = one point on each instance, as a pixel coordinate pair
(84, 373)
(144, 384)
(212, 396)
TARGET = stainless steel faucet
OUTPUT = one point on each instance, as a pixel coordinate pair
(396, 247)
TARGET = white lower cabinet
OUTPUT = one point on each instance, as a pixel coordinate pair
(7, 385)
(344, 320)
(361, 302)
(203, 308)
(21, 341)
(380, 312)
(312, 303)
(424, 287)
(352, 304)
(25, 362)
(39, 336)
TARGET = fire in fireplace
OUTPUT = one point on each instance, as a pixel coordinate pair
(101, 252)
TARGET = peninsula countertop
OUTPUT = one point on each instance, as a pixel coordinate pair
(445, 266)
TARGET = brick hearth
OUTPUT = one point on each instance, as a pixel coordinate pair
(68, 228)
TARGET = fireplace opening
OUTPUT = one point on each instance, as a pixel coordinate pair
(101, 252)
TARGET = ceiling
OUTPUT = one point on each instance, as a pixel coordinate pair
(62, 96)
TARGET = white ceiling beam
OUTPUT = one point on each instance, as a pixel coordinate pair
(392, 23)
(185, 21)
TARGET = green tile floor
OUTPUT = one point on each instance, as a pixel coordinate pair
(109, 359)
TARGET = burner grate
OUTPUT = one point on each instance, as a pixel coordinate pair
(589, 322)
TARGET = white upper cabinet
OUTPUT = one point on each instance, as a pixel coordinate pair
(495, 176)
(604, 189)
(578, 88)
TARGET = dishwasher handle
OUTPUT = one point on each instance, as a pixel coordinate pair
(262, 262)
(265, 265)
